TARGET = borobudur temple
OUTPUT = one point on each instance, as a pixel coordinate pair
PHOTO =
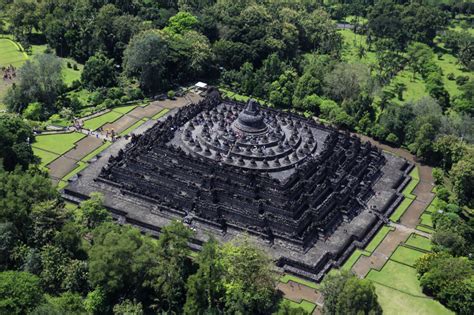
(307, 193)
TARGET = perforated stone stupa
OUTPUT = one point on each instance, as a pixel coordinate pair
(308, 193)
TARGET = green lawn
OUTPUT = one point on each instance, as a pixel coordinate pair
(133, 127)
(419, 242)
(45, 156)
(96, 151)
(80, 166)
(397, 276)
(160, 114)
(124, 109)
(415, 179)
(351, 42)
(57, 143)
(101, 120)
(426, 219)
(405, 255)
(424, 229)
(10, 53)
(288, 277)
(306, 305)
(378, 238)
(394, 302)
(353, 259)
(70, 75)
(397, 214)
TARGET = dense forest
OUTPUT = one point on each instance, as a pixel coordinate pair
(356, 64)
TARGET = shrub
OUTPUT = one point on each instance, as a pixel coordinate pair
(438, 176)
(68, 64)
(462, 79)
(392, 138)
(451, 76)
(171, 94)
(75, 67)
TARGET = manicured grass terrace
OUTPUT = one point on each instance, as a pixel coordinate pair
(101, 120)
(287, 277)
(395, 302)
(353, 259)
(397, 276)
(45, 156)
(57, 143)
(419, 242)
(10, 53)
(378, 238)
(306, 305)
(160, 114)
(405, 255)
(133, 127)
(397, 214)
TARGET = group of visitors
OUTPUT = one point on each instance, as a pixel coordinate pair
(9, 73)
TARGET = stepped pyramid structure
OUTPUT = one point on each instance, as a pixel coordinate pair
(307, 193)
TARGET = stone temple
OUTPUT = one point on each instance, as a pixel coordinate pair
(306, 193)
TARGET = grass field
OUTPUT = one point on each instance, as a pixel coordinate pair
(397, 276)
(288, 277)
(57, 143)
(96, 151)
(394, 302)
(353, 259)
(124, 109)
(351, 42)
(45, 156)
(10, 53)
(69, 74)
(378, 238)
(101, 120)
(160, 114)
(133, 127)
(306, 305)
(424, 229)
(397, 214)
(419, 242)
(426, 219)
(405, 255)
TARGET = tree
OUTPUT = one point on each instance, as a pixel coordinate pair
(48, 218)
(19, 191)
(449, 279)
(320, 33)
(345, 294)
(145, 58)
(418, 56)
(15, 139)
(282, 90)
(169, 277)
(8, 240)
(462, 174)
(347, 81)
(20, 292)
(249, 280)
(128, 307)
(119, 260)
(66, 303)
(40, 80)
(422, 22)
(181, 23)
(99, 71)
(205, 289)
(93, 212)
